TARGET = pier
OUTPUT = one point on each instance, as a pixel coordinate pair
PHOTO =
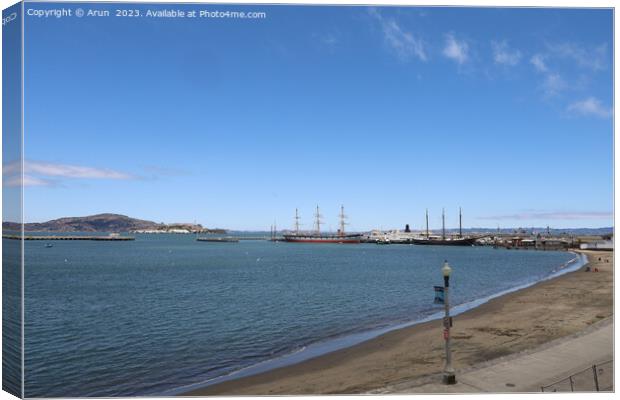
(99, 238)
(203, 239)
(219, 240)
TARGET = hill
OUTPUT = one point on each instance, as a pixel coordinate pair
(92, 223)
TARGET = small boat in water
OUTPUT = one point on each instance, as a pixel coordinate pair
(48, 245)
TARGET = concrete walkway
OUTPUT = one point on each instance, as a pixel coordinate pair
(528, 371)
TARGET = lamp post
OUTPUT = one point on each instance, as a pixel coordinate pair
(448, 371)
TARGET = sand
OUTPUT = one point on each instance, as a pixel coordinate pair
(506, 325)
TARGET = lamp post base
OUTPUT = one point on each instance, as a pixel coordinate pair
(449, 378)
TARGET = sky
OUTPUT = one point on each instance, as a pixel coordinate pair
(389, 111)
(11, 114)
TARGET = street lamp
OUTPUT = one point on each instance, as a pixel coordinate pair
(448, 371)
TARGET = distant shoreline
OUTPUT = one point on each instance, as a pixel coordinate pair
(354, 369)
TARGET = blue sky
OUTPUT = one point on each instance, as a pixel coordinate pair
(389, 111)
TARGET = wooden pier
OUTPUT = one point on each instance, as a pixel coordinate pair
(56, 237)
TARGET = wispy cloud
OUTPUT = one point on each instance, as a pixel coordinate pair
(457, 50)
(538, 61)
(590, 107)
(576, 62)
(553, 215)
(503, 54)
(553, 84)
(399, 40)
(594, 58)
(72, 171)
(16, 181)
(329, 41)
(37, 173)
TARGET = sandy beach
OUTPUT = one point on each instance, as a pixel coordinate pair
(506, 325)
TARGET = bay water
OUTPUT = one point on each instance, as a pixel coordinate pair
(164, 312)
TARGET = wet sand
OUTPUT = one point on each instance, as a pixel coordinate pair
(506, 325)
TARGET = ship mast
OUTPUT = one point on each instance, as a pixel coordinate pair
(296, 222)
(427, 236)
(443, 224)
(342, 218)
(318, 221)
(460, 223)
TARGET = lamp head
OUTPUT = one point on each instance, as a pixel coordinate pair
(446, 270)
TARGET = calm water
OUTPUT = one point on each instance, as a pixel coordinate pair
(165, 311)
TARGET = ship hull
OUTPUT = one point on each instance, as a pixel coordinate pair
(441, 242)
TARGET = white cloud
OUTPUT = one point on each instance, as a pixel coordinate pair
(16, 181)
(11, 168)
(539, 63)
(503, 54)
(553, 84)
(455, 49)
(402, 42)
(592, 58)
(37, 173)
(590, 107)
(71, 171)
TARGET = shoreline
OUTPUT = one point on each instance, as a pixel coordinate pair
(280, 379)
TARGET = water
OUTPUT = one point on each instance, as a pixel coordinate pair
(11, 317)
(164, 311)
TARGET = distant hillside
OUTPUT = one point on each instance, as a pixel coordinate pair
(92, 223)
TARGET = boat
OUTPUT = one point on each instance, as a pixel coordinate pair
(393, 237)
(442, 240)
(317, 237)
(313, 238)
(48, 245)
(273, 237)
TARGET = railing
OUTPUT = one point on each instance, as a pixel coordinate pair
(597, 378)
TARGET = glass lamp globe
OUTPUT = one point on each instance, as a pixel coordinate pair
(446, 270)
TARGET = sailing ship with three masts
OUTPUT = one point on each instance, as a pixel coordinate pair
(443, 240)
(317, 236)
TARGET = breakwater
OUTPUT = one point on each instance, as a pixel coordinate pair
(99, 238)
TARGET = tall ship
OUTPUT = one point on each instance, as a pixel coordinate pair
(443, 240)
(298, 236)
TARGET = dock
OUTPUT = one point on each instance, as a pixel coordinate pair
(55, 237)
(207, 239)
(220, 239)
